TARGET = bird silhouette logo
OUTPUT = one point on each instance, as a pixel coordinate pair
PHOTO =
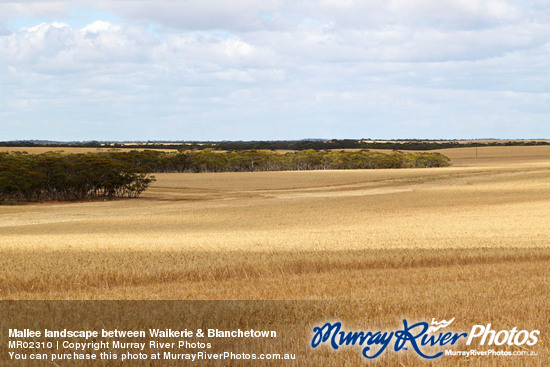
(439, 325)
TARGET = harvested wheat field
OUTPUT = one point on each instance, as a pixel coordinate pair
(470, 241)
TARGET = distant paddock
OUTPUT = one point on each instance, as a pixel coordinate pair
(458, 156)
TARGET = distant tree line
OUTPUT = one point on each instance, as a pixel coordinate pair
(209, 160)
(355, 144)
(280, 144)
(56, 176)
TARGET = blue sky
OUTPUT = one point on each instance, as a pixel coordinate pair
(246, 69)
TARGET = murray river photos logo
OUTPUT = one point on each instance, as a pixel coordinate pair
(419, 337)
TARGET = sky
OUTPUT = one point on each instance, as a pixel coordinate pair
(268, 70)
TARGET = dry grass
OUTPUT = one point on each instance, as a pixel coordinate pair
(468, 241)
(247, 275)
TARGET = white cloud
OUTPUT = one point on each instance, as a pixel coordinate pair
(100, 26)
(195, 14)
(242, 15)
(33, 8)
(56, 47)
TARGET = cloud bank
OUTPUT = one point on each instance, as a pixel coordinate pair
(210, 70)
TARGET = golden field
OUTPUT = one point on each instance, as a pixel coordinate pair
(469, 241)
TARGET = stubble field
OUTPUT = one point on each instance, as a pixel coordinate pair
(468, 241)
